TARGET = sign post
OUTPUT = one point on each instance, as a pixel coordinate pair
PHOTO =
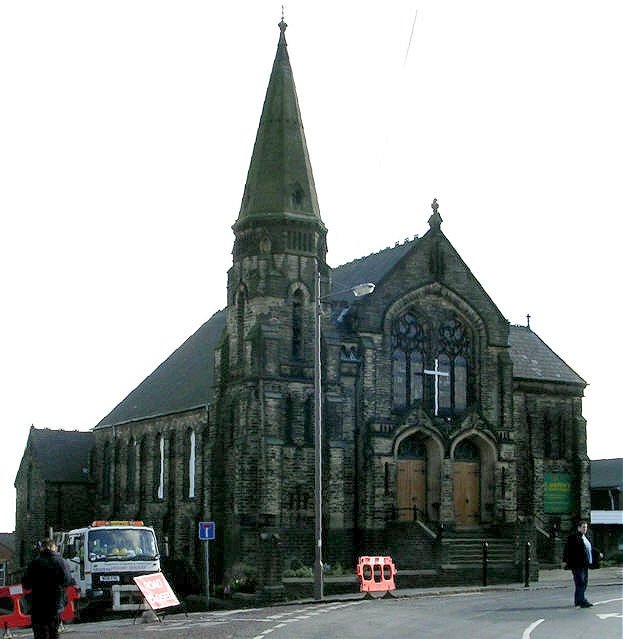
(207, 531)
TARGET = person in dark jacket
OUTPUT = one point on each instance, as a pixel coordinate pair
(47, 576)
(578, 556)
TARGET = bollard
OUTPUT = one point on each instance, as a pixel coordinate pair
(526, 568)
(485, 561)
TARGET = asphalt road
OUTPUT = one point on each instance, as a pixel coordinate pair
(514, 614)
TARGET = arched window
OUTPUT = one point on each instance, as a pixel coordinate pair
(431, 351)
(159, 467)
(413, 447)
(297, 324)
(466, 450)
(130, 483)
(172, 465)
(190, 462)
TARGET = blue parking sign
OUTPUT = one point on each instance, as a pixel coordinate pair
(206, 530)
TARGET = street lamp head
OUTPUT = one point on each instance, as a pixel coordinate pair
(363, 289)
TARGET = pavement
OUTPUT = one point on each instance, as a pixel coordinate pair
(556, 578)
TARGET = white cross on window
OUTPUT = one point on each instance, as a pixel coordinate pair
(437, 373)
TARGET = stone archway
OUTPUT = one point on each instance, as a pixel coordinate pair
(473, 458)
(418, 465)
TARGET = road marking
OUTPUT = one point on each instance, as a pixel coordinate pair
(296, 615)
(618, 615)
(530, 628)
(598, 603)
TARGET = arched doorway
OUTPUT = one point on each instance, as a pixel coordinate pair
(411, 478)
(467, 483)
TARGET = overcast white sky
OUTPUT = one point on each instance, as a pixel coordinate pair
(126, 130)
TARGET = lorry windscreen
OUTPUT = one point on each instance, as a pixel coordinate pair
(122, 545)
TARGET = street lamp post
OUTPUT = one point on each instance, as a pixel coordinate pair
(359, 290)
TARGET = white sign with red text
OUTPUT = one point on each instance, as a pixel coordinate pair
(156, 590)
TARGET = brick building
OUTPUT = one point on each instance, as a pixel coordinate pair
(442, 423)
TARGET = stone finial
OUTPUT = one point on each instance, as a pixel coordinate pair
(435, 220)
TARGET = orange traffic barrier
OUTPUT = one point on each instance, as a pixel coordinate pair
(11, 608)
(12, 614)
(69, 611)
(376, 574)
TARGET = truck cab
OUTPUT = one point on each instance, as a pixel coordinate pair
(109, 553)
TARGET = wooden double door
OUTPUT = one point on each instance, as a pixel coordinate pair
(411, 491)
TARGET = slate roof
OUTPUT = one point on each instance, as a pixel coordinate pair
(8, 540)
(607, 473)
(183, 381)
(61, 455)
(533, 359)
(280, 183)
(372, 268)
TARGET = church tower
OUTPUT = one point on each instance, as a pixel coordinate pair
(266, 362)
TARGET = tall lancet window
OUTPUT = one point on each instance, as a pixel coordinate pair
(431, 351)
(409, 348)
(191, 464)
(159, 467)
(297, 324)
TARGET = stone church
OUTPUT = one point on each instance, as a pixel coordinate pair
(441, 422)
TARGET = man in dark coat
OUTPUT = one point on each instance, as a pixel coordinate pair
(578, 556)
(47, 576)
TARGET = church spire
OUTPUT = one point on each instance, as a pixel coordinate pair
(280, 183)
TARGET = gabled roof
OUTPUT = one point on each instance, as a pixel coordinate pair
(607, 473)
(183, 381)
(61, 455)
(535, 360)
(372, 268)
(280, 183)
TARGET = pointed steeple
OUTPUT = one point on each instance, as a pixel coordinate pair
(280, 183)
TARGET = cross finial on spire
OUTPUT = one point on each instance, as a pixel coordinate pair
(528, 318)
(282, 25)
(434, 205)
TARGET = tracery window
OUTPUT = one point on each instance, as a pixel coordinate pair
(431, 356)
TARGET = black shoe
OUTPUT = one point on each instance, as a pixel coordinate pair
(586, 604)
